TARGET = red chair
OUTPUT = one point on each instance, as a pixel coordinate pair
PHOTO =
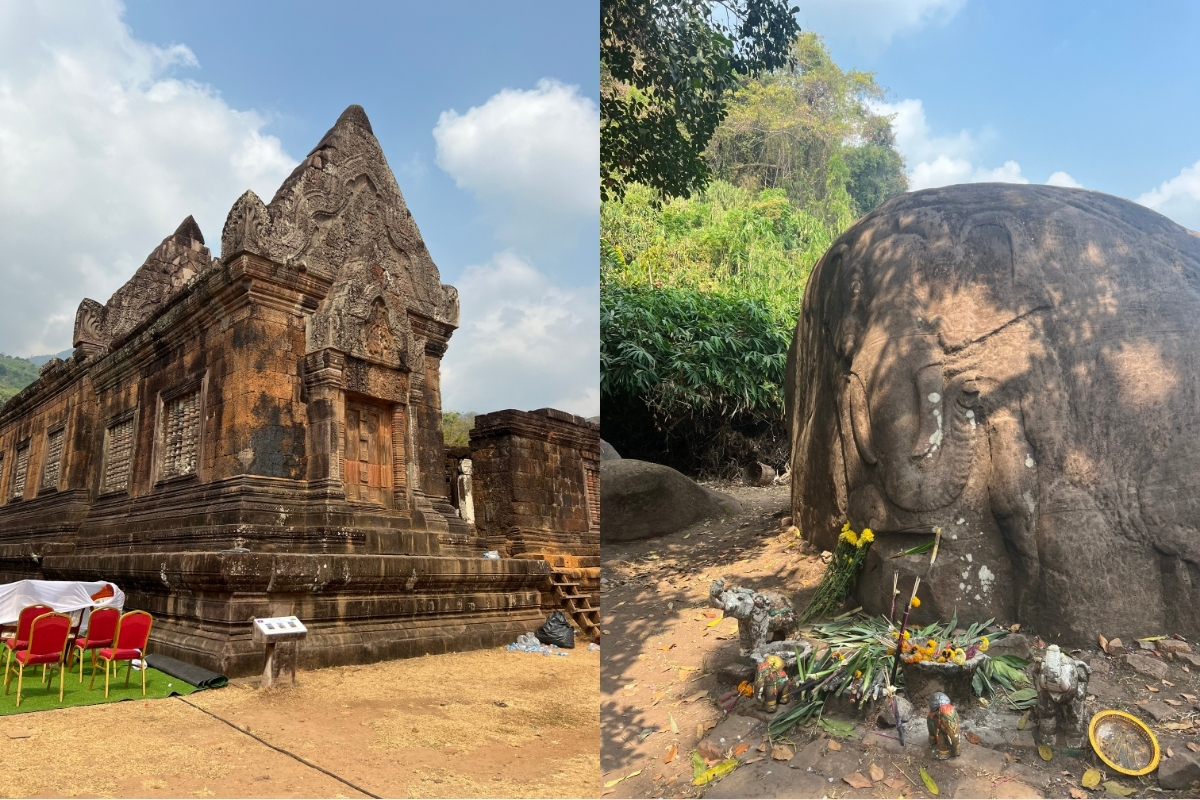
(48, 637)
(102, 627)
(129, 642)
(24, 621)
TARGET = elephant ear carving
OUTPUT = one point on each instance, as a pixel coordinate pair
(860, 419)
(999, 250)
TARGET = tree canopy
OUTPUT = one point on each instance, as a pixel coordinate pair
(666, 67)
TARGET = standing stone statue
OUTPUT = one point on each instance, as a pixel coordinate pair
(943, 727)
(1061, 684)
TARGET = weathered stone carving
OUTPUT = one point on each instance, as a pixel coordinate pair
(180, 257)
(1016, 365)
(760, 615)
(1061, 684)
(339, 211)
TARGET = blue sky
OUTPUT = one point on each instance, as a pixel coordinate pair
(1104, 93)
(119, 120)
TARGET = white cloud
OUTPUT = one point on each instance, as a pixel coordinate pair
(1178, 198)
(524, 343)
(531, 158)
(1061, 178)
(102, 154)
(942, 160)
(872, 24)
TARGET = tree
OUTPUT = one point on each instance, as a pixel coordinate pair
(810, 129)
(666, 68)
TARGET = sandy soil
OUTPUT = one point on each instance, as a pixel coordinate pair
(662, 652)
(482, 724)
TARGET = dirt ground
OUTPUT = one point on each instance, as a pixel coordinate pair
(659, 684)
(489, 723)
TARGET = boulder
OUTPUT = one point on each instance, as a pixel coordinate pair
(642, 500)
(608, 452)
(1178, 771)
(1016, 366)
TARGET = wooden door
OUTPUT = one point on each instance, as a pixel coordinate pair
(368, 448)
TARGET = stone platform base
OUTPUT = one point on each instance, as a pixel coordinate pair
(358, 608)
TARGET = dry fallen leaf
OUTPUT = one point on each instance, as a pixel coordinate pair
(613, 783)
(781, 753)
(1152, 688)
(1045, 752)
(1191, 698)
(1171, 702)
(1078, 794)
(1170, 753)
(895, 783)
(691, 698)
(741, 748)
(670, 646)
(972, 738)
(1091, 778)
(857, 780)
(674, 724)
(754, 760)
(876, 772)
(672, 751)
(656, 697)
(835, 745)
(1195, 748)
(1167, 683)
(1014, 627)
(1103, 643)
(1023, 721)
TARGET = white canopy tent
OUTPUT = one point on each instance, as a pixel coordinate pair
(63, 596)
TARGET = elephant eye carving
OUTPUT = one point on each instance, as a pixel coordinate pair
(855, 288)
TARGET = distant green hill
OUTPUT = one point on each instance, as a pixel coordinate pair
(15, 375)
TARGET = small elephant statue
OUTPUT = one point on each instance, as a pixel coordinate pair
(759, 614)
(771, 684)
(1061, 684)
(943, 727)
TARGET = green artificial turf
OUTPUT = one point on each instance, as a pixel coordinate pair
(34, 696)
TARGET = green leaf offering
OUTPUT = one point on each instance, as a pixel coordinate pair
(833, 727)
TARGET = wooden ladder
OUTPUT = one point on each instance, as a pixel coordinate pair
(579, 606)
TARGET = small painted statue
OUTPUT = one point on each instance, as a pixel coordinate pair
(943, 727)
(1061, 684)
(771, 684)
(759, 614)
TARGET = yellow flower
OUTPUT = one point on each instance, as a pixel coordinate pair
(960, 657)
(906, 634)
(983, 645)
(931, 643)
(846, 527)
(941, 659)
(858, 673)
(867, 537)
(850, 537)
(916, 602)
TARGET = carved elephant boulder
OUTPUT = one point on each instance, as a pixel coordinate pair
(1018, 366)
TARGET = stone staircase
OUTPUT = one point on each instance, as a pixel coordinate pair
(577, 605)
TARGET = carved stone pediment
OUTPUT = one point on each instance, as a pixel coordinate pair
(177, 259)
(360, 318)
(342, 205)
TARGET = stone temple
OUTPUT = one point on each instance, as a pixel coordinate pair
(260, 435)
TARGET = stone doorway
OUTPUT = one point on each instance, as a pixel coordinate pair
(368, 449)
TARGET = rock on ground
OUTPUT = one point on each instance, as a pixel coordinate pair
(1179, 771)
(642, 500)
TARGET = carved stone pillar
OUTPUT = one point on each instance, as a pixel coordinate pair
(324, 379)
(400, 450)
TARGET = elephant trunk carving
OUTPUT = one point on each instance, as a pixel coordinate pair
(935, 472)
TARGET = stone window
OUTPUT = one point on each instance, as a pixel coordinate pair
(593, 496)
(53, 460)
(20, 468)
(180, 435)
(118, 456)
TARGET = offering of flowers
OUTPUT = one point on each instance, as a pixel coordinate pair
(841, 573)
(955, 650)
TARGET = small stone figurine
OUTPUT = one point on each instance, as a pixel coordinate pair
(943, 727)
(1061, 684)
(771, 684)
(759, 614)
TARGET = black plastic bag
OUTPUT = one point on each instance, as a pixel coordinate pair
(557, 631)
